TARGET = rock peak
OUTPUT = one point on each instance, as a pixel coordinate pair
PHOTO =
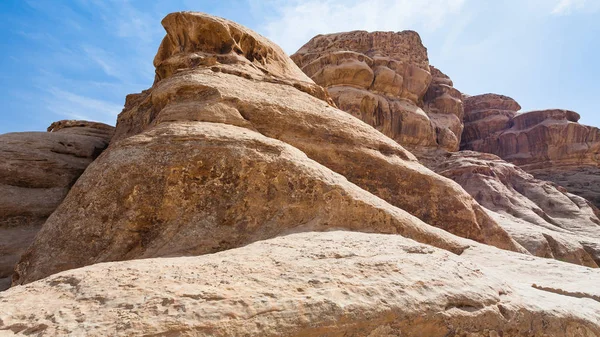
(195, 38)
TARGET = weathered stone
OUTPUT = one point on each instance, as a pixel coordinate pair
(542, 217)
(385, 80)
(36, 171)
(203, 188)
(270, 109)
(308, 284)
(550, 144)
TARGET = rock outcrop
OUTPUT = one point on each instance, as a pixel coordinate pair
(235, 198)
(384, 78)
(217, 125)
(535, 213)
(550, 144)
(37, 169)
(542, 217)
(315, 284)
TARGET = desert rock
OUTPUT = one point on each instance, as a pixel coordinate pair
(267, 106)
(550, 144)
(542, 217)
(203, 188)
(36, 171)
(308, 284)
(383, 78)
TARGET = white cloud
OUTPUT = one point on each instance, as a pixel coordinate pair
(296, 22)
(75, 106)
(564, 7)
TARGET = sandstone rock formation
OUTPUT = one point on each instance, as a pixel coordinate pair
(36, 171)
(315, 284)
(243, 176)
(384, 78)
(542, 217)
(550, 144)
(239, 106)
(535, 213)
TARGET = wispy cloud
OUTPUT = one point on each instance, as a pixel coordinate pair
(296, 22)
(71, 105)
(564, 7)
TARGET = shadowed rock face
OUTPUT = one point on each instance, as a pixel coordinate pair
(550, 144)
(37, 169)
(385, 79)
(238, 120)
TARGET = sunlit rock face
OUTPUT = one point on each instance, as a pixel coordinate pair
(234, 144)
(384, 78)
(550, 144)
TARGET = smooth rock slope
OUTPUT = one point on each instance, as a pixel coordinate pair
(314, 284)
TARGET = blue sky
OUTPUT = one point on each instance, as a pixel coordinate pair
(78, 59)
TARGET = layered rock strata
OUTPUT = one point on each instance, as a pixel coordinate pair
(550, 144)
(384, 78)
(37, 169)
(217, 125)
(543, 217)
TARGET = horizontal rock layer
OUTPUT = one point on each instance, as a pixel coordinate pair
(37, 170)
(550, 144)
(383, 79)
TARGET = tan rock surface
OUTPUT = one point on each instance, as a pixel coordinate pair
(444, 106)
(309, 284)
(541, 216)
(232, 96)
(383, 78)
(36, 171)
(203, 188)
(550, 144)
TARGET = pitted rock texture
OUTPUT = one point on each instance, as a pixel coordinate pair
(268, 108)
(550, 144)
(541, 216)
(309, 284)
(383, 78)
(37, 169)
(203, 188)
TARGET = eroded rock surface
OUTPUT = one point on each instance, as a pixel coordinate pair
(203, 188)
(308, 284)
(37, 169)
(541, 216)
(384, 78)
(269, 110)
(550, 144)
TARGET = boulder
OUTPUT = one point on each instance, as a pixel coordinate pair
(309, 284)
(175, 132)
(37, 169)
